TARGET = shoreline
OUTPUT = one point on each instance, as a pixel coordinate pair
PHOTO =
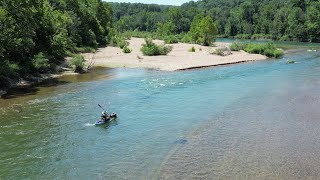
(178, 59)
(34, 81)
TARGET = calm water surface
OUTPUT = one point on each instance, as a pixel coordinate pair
(255, 120)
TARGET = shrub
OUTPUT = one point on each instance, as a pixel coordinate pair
(219, 51)
(40, 63)
(192, 49)
(85, 50)
(277, 53)
(77, 63)
(118, 41)
(151, 49)
(122, 43)
(236, 46)
(171, 40)
(126, 49)
(187, 38)
(268, 52)
(265, 49)
(285, 38)
(164, 50)
(254, 48)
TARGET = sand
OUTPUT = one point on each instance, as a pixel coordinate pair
(178, 59)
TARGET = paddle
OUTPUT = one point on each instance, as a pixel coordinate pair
(101, 107)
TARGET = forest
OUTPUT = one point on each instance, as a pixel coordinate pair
(36, 35)
(295, 20)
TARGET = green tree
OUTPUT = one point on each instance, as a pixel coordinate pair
(208, 31)
(195, 31)
(165, 29)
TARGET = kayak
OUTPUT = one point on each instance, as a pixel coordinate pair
(111, 117)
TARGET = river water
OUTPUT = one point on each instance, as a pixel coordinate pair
(257, 120)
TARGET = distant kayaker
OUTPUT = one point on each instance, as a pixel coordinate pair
(104, 115)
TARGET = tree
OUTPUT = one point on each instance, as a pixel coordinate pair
(208, 31)
(195, 30)
(165, 29)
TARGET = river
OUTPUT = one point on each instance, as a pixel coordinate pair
(257, 120)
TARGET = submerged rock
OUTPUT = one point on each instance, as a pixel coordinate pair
(180, 141)
(290, 61)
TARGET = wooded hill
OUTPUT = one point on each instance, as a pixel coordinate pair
(276, 19)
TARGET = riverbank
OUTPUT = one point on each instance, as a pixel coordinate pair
(178, 59)
(32, 81)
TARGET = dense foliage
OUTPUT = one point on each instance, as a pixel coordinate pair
(274, 19)
(36, 35)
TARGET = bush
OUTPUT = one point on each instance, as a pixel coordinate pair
(118, 41)
(85, 50)
(278, 53)
(255, 48)
(237, 46)
(122, 43)
(40, 63)
(171, 40)
(77, 63)
(151, 49)
(126, 49)
(219, 52)
(265, 49)
(192, 49)
(187, 38)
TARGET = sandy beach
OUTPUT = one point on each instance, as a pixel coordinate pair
(178, 59)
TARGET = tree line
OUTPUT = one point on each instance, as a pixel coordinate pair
(276, 19)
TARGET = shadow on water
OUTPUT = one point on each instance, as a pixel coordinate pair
(98, 73)
(109, 124)
(33, 89)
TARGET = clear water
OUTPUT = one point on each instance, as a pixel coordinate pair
(250, 121)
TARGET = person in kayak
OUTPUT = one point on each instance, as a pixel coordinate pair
(104, 116)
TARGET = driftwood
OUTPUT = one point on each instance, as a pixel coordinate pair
(91, 62)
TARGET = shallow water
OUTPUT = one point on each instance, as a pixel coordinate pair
(254, 120)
